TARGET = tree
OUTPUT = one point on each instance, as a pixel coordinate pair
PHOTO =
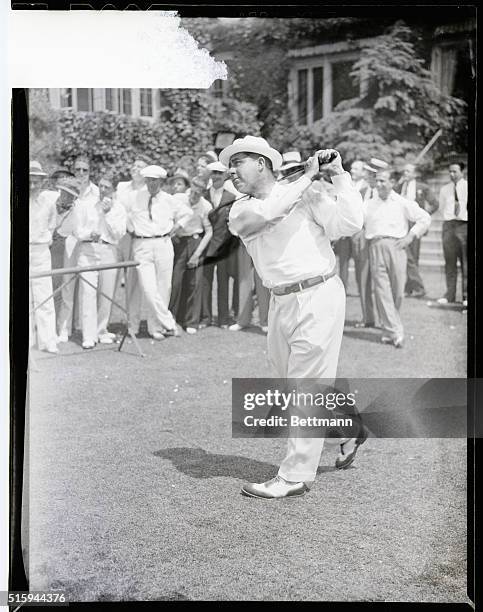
(398, 110)
(44, 133)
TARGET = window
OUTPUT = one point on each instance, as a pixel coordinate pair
(125, 101)
(318, 84)
(342, 84)
(111, 99)
(302, 96)
(146, 102)
(84, 99)
(318, 93)
(66, 98)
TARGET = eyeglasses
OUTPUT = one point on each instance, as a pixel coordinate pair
(81, 169)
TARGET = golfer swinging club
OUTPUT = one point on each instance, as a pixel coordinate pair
(287, 231)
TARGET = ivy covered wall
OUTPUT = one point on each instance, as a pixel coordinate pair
(188, 125)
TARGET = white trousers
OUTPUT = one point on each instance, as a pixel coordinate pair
(155, 256)
(134, 297)
(39, 290)
(304, 337)
(96, 309)
(68, 292)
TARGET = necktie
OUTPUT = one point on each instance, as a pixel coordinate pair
(404, 188)
(150, 205)
(457, 206)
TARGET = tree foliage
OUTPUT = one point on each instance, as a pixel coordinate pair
(44, 133)
(397, 112)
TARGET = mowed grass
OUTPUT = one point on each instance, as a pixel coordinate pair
(134, 478)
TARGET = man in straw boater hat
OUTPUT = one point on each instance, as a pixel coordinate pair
(42, 223)
(287, 231)
(153, 216)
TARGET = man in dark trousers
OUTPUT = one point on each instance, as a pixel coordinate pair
(412, 188)
(453, 205)
(222, 249)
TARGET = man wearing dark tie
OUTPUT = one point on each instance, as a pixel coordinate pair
(453, 199)
(412, 188)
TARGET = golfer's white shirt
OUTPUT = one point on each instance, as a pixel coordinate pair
(288, 234)
(447, 200)
(89, 217)
(391, 217)
(42, 217)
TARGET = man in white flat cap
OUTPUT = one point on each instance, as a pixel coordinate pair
(287, 231)
(42, 223)
(124, 190)
(153, 216)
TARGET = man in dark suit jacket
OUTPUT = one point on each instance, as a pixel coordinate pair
(221, 251)
(412, 188)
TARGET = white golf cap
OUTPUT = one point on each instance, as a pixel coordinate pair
(35, 169)
(251, 144)
(291, 157)
(209, 155)
(217, 167)
(154, 172)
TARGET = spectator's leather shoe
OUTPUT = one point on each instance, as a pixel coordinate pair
(158, 336)
(172, 333)
(276, 488)
(236, 327)
(348, 450)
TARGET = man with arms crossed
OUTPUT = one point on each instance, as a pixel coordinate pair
(287, 231)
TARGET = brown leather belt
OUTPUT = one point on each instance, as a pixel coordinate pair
(305, 284)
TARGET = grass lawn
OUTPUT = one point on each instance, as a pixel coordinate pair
(134, 478)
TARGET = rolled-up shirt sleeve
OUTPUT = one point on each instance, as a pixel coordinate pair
(342, 216)
(253, 216)
(418, 216)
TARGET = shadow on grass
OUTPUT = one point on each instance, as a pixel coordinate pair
(198, 463)
(363, 334)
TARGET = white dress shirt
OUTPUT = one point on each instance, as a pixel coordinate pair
(216, 195)
(391, 217)
(408, 190)
(42, 217)
(447, 200)
(165, 211)
(288, 234)
(198, 223)
(66, 228)
(89, 218)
